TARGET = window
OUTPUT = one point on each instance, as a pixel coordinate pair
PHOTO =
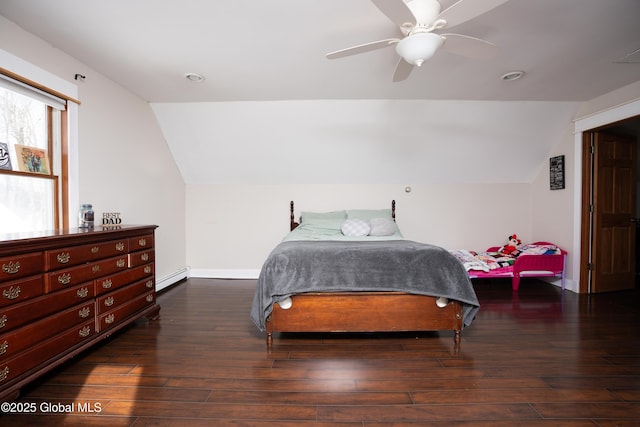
(31, 158)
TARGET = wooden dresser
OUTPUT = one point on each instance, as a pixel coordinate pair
(62, 292)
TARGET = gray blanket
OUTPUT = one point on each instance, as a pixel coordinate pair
(331, 266)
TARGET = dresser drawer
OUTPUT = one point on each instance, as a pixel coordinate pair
(18, 314)
(20, 290)
(142, 242)
(122, 296)
(67, 257)
(22, 338)
(118, 280)
(13, 367)
(14, 267)
(64, 278)
(141, 257)
(111, 318)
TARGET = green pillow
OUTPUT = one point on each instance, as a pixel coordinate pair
(368, 214)
(311, 217)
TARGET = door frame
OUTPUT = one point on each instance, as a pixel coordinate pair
(582, 127)
(586, 216)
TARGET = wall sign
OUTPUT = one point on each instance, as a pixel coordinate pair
(556, 173)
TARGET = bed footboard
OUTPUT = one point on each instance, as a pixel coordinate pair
(364, 312)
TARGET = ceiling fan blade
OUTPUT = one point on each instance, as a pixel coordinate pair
(462, 11)
(470, 47)
(396, 10)
(367, 47)
(403, 69)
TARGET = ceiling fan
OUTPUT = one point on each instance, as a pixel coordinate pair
(418, 19)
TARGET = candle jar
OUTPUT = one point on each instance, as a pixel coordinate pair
(85, 216)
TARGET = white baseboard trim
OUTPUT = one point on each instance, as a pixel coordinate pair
(569, 285)
(172, 278)
(206, 273)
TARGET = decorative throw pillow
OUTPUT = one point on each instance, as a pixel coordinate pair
(369, 213)
(355, 227)
(382, 227)
(322, 224)
(309, 217)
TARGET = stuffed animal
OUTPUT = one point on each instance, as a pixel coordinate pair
(511, 248)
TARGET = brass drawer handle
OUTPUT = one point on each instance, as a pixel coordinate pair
(109, 302)
(3, 321)
(144, 257)
(109, 319)
(11, 293)
(147, 269)
(95, 249)
(4, 374)
(84, 332)
(149, 298)
(107, 284)
(95, 268)
(121, 263)
(85, 312)
(63, 257)
(82, 292)
(142, 242)
(64, 279)
(3, 347)
(11, 268)
(120, 246)
(149, 284)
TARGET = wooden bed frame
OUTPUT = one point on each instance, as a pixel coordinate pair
(363, 311)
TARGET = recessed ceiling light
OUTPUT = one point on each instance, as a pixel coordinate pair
(512, 75)
(194, 77)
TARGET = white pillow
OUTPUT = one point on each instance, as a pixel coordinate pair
(382, 227)
(355, 227)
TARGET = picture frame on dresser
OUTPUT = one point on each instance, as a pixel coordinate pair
(63, 292)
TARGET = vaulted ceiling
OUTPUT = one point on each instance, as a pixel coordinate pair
(453, 119)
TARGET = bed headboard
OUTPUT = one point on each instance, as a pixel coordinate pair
(292, 219)
(294, 224)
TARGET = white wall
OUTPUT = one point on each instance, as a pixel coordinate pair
(469, 164)
(614, 101)
(361, 141)
(124, 164)
(552, 212)
(232, 228)
(557, 213)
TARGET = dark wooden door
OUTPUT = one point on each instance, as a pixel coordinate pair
(614, 206)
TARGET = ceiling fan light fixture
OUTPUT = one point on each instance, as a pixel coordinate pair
(419, 47)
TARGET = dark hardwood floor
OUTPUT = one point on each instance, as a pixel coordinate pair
(535, 358)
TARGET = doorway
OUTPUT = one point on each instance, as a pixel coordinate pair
(609, 259)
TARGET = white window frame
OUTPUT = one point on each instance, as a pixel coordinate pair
(49, 83)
